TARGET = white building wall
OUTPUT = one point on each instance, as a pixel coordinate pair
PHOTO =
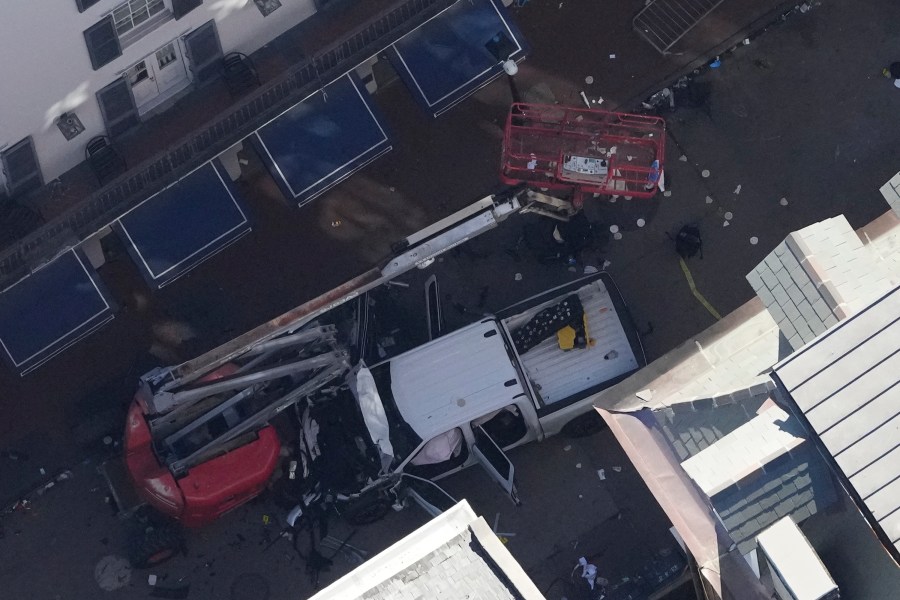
(46, 69)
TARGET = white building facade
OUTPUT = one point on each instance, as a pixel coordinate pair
(104, 65)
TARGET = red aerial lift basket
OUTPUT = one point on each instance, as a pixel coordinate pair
(583, 151)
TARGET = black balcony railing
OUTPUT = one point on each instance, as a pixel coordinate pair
(228, 128)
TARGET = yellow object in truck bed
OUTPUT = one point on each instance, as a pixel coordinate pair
(565, 337)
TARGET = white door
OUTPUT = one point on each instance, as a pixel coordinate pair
(495, 462)
(143, 84)
(158, 77)
(168, 65)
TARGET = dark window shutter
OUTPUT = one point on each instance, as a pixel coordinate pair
(83, 5)
(21, 168)
(117, 107)
(183, 7)
(102, 42)
(204, 51)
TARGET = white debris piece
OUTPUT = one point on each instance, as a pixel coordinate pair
(667, 193)
(729, 216)
(588, 571)
(783, 202)
(613, 228)
(577, 465)
(601, 473)
(737, 190)
(586, 101)
(617, 236)
(518, 277)
(641, 222)
(612, 55)
(589, 80)
(557, 236)
(151, 579)
(682, 158)
(704, 173)
(645, 395)
(754, 240)
(709, 200)
(726, 224)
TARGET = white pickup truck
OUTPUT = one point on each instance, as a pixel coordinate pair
(206, 436)
(467, 396)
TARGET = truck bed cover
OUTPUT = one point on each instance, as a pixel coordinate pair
(558, 375)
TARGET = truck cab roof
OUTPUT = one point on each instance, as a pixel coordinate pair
(454, 379)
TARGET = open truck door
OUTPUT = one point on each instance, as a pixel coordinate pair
(495, 462)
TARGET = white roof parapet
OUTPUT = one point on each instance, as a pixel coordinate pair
(439, 560)
(744, 451)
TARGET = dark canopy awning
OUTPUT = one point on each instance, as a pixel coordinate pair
(322, 140)
(51, 309)
(455, 53)
(176, 229)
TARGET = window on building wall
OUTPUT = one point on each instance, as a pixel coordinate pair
(132, 15)
(21, 169)
(128, 22)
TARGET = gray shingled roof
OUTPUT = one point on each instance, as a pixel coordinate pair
(798, 483)
(456, 570)
(740, 455)
(846, 386)
(818, 276)
(454, 556)
(891, 193)
(693, 426)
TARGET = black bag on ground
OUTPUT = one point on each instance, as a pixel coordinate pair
(688, 242)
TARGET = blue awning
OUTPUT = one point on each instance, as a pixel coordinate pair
(173, 231)
(51, 309)
(455, 53)
(322, 140)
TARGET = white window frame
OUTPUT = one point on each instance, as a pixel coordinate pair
(151, 21)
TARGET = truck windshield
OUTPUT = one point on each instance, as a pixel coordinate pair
(403, 438)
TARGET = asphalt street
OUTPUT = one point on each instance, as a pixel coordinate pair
(796, 126)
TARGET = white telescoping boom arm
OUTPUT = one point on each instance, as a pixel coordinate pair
(417, 250)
